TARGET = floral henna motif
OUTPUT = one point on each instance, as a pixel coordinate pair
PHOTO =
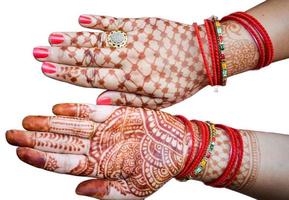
(218, 161)
(132, 152)
(145, 148)
(136, 150)
(51, 164)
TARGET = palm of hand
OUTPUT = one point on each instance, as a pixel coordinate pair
(132, 153)
(143, 147)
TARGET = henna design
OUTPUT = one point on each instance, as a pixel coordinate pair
(218, 161)
(161, 60)
(143, 148)
(134, 151)
(241, 51)
(251, 162)
(51, 164)
(151, 142)
(79, 39)
(71, 126)
(60, 143)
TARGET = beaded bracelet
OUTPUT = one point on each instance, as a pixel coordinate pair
(210, 148)
(219, 35)
(235, 160)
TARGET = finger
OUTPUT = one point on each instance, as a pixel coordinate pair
(86, 57)
(104, 23)
(61, 125)
(131, 99)
(49, 142)
(86, 111)
(106, 189)
(78, 39)
(107, 23)
(60, 163)
(112, 79)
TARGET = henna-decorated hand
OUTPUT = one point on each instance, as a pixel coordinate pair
(160, 65)
(131, 152)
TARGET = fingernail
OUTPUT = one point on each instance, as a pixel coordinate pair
(93, 188)
(19, 138)
(40, 52)
(56, 38)
(31, 157)
(84, 19)
(48, 68)
(104, 101)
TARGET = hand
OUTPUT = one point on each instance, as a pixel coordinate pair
(131, 152)
(160, 65)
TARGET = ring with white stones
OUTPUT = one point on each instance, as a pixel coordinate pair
(116, 39)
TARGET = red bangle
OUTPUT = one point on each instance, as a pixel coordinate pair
(255, 37)
(188, 171)
(203, 53)
(205, 136)
(212, 50)
(217, 54)
(262, 31)
(258, 33)
(235, 159)
(189, 128)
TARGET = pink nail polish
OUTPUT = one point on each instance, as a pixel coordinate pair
(40, 52)
(84, 19)
(48, 68)
(56, 38)
(104, 101)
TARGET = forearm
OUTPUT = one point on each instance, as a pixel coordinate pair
(240, 48)
(273, 14)
(263, 173)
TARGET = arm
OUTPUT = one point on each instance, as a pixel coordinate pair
(132, 152)
(241, 51)
(264, 170)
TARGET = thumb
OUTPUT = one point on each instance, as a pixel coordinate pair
(130, 99)
(106, 190)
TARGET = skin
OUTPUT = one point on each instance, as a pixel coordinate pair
(161, 64)
(132, 152)
(79, 146)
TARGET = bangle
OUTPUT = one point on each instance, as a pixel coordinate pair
(259, 35)
(210, 148)
(189, 128)
(211, 44)
(197, 32)
(235, 160)
(262, 32)
(221, 45)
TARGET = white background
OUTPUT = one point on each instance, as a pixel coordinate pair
(254, 100)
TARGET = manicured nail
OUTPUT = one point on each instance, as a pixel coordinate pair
(84, 19)
(104, 101)
(40, 52)
(48, 68)
(56, 38)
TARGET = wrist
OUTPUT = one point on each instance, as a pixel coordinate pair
(240, 48)
(231, 161)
